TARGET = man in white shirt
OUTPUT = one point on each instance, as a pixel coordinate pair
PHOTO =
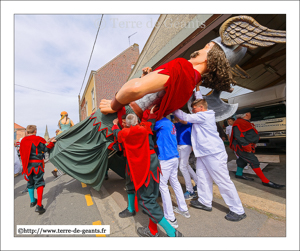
(230, 122)
(211, 160)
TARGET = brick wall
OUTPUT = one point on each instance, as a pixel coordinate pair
(83, 110)
(20, 133)
(110, 78)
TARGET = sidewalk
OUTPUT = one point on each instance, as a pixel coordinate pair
(112, 199)
(264, 206)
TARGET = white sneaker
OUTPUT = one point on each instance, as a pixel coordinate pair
(173, 223)
(186, 214)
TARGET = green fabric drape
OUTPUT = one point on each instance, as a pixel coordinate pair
(82, 152)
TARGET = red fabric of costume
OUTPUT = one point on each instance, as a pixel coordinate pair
(25, 149)
(179, 87)
(243, 126)
(136, 142)
(39, 192)
(120, 113)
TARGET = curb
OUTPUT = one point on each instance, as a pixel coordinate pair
(261, 204)
(109, 211)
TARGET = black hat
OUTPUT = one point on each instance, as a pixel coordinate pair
(244, 110)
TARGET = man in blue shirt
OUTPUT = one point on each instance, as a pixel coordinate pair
(183, 131)
(168, 158)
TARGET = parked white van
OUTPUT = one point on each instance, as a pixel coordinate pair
(269, 115)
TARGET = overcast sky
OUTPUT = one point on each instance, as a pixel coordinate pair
(52, 54)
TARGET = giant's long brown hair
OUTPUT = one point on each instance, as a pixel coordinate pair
(219, 76)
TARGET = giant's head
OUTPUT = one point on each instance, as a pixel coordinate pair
(218, 60)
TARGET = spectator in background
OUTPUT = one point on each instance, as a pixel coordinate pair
(221, 132)
(230, 122)
(18, 167)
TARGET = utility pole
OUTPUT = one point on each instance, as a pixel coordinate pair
(130, 36)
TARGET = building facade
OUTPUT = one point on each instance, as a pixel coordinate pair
(19, 132)
(179, 35)
(106, 81)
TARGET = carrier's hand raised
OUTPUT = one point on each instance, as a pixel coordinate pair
(115, 121)
(53, 139)
(152, 109)
(146, 70)
(105, 107)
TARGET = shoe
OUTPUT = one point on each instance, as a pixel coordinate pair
(173, 223)
(32, 204)
(186, 214)
(54, 173)
(273, 185)
(231, 216)
(126, 213)
(195, 188)
(145, 232)
(39, 209)
(197, 204)
(188, 195)
(177, 234)
(243, 177)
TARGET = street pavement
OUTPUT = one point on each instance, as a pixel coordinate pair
(69, 202)
(64, 199)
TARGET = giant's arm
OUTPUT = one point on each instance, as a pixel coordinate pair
(135, 89)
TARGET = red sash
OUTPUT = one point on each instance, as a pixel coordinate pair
(37, 161)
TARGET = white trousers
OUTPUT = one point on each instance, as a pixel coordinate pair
(214, 168)
(186, 170)
(169, 169)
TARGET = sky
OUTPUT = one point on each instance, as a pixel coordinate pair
(52, 54)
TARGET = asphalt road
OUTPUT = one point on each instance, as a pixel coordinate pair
(69, 202)
(65, 199)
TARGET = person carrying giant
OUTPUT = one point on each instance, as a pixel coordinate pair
(82, 152)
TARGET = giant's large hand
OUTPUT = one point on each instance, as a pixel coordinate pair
(105, 107)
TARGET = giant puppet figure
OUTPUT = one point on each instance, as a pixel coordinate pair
(85, 151)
